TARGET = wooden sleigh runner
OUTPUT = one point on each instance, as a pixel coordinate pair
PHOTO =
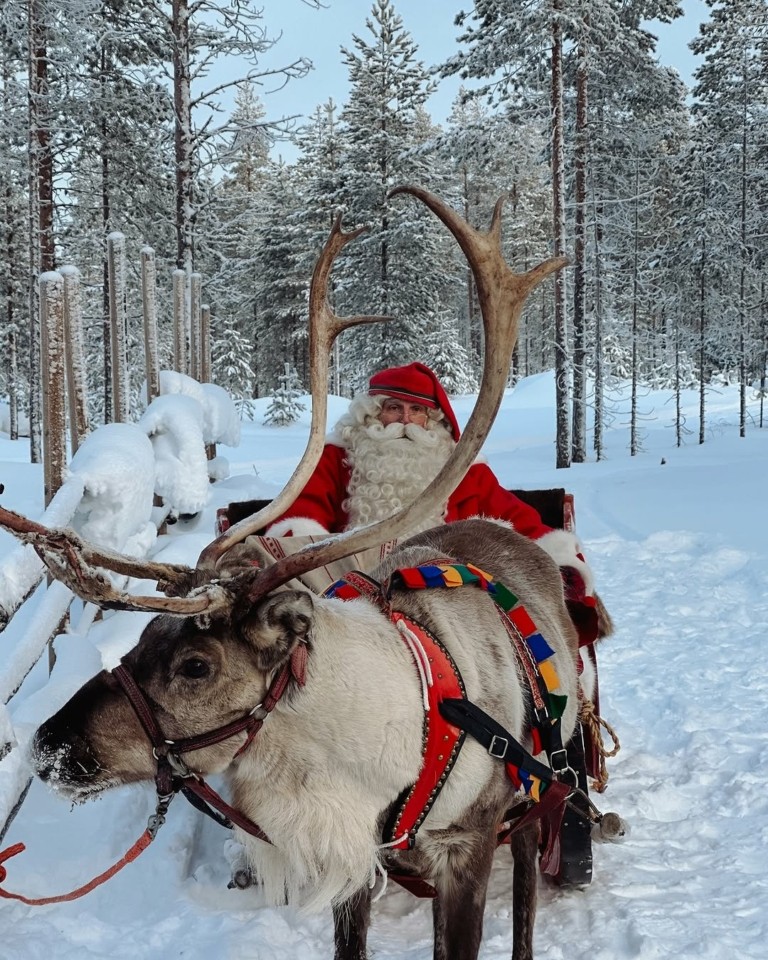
(585, 752)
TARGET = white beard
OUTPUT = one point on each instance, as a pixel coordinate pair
(390, 466)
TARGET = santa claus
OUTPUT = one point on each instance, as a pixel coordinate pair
(385, 450)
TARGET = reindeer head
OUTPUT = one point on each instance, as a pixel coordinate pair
(196, 674)
(214, 664)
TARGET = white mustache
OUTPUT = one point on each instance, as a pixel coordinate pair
(400, 431)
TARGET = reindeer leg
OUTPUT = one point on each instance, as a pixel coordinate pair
(350, 927)
(458, 909)
(524, 845)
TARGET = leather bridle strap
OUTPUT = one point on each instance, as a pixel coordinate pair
(252, 722)
(228, 814)
(139, 703)
(172, 773)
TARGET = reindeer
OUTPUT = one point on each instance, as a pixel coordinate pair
(317, 708)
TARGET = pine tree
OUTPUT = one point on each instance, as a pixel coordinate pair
(285, 407)
(280, 282)
(398, 269)
(449, 360)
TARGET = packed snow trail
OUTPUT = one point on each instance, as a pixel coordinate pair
(680, 555)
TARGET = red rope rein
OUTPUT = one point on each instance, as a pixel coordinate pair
(139, 847)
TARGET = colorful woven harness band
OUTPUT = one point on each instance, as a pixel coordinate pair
(541, 654)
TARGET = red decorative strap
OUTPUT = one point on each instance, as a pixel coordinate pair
(442, 742)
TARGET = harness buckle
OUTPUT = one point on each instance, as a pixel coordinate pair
(178, 766)
(558, 760)
(497, 748)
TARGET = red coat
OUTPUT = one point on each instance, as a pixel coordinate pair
(478, 495)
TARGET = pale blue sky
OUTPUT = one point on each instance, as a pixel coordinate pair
(319, 34)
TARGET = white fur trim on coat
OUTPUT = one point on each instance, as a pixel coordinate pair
(296, 527)
(564, 548)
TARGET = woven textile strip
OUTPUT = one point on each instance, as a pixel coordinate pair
(458, 575)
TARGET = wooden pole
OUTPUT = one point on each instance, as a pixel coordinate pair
(117, 323)
(77, 390)
(195, 338)
(205, 343)
(149, 309)
(54, 393)
(179, 321)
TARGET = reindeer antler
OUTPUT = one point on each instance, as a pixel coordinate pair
(324, 327)
(80, 565)
(501, 294)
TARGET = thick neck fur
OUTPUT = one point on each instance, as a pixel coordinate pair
(390, 465)
(326, 758)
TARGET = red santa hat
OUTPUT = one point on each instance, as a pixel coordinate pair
(417, 383)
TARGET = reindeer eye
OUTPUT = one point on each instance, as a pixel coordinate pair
(195, 668)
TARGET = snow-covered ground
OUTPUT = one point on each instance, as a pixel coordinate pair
(679, 543)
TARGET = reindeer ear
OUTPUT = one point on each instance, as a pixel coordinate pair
(276, 625)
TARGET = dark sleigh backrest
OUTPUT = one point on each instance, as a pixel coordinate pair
(555, 508)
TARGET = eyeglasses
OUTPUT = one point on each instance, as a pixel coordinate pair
(394, 410)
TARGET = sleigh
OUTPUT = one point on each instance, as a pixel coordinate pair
(573, 863)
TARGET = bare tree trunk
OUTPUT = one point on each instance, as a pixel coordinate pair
(195, 298)
(12, 370)
(106, 226)
(117, 319)
(558, 212)
(579, 439)
(633, 432)
(41, 249)
(702, 319)
(183, 145)
(599, 367)
(179, 321)
(743, 319)
(205, 343)
(11, 279)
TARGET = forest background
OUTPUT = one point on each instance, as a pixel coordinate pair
(115, 115)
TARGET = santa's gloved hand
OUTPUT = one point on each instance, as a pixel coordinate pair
(222, 521)
(573, 584)
(581, 606)
(297, 527)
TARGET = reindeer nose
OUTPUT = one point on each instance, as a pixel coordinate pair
(62, 756)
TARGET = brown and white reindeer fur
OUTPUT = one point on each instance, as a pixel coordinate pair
(335, 754)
